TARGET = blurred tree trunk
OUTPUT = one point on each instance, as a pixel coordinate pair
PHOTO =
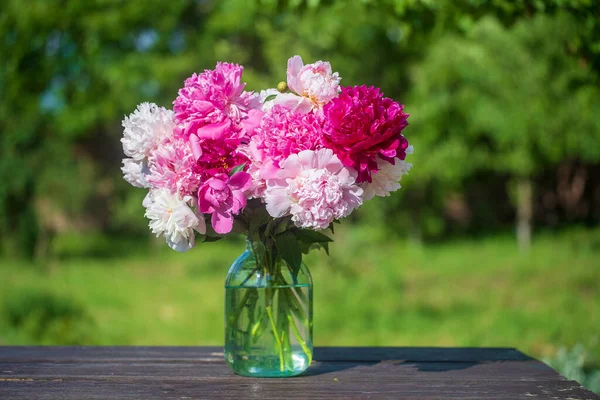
(524, 212)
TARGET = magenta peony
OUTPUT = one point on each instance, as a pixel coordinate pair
(223, 197)
(361, 126)
(214, 105)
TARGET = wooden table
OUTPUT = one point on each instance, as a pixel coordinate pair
(337, 373)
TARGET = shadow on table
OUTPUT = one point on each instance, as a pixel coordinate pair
(330, 360)
(321, 368)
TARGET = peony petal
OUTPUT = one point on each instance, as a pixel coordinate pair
(294, 66)
(195, 145)
(269, 170)
(324, 158)
(217, 184)
(278, 204)
(147, 200)
(201, 225)
(253, 121)
(240, 181)
(222, 222)
(214, 131)
(239, 201)
(203, 106)
(182, 244)
(288, 100)
(307, 159)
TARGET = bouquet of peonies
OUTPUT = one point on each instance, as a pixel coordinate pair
(292, 159)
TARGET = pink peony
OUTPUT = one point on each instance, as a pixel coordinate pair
(314, 85)
(363, 125)
(214, 105)
(223, 197)
(315, 188)
(173, 167)
(283, 132)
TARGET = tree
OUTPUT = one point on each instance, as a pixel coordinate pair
(510, 100)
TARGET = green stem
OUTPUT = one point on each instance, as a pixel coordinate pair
(299, 338)
(239, 308)
(274, 327)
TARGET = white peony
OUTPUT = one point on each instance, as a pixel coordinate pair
(171, 216)
(134, 172)
(386, 179)
(145, 128)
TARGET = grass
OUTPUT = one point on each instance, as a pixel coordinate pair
(371, 291)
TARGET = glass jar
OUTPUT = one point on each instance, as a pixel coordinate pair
(268, 315)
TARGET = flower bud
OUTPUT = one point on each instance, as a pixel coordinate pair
(282, 86)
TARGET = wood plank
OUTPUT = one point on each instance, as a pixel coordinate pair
(294, 388)
(339, 373)
(384, 370)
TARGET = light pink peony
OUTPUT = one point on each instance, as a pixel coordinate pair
(315, 188)
(362, 125)
(214, 105)
(314, 85)
(173, 167)
(223, 197)
(283, 132)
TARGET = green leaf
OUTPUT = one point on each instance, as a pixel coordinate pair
(269, 98)
(282, 226)
(256, 219)
(290, 251)
(324, 246)
(310, 236)
(304, 247)
(237, 168)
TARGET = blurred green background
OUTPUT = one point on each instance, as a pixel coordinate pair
(493, 241)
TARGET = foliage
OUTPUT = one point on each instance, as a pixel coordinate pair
(576, 364)
(42, 317)
(505, 100)
(503, 85)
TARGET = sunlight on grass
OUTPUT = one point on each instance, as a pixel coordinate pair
(369, 292)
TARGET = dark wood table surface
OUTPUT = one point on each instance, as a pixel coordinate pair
(336, 373)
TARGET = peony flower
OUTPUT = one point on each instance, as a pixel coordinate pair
(213, 105)
(135, 172)
(173, 167)
(314, 85)
(362, 125)
(386, 179)
(283, 132)
(315, 188)
(144, 129)
(170, 215)
(216, 156)
(223, 197)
